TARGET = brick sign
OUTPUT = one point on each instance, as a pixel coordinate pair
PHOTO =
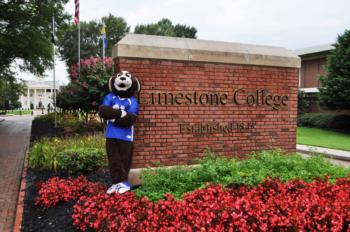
(231, 98)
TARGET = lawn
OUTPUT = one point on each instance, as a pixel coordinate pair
(18, 112)
(323, 138)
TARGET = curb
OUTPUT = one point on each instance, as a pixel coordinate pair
(21, 194)
(330, 156)
(325, 154)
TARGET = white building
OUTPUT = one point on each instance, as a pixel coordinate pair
(38, 94)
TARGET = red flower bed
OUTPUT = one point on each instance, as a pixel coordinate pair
(270, 206)
(56, 190)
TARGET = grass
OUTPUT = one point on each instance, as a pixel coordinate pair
(323, 138)
(17, 112)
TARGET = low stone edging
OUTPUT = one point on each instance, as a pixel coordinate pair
(21, 194)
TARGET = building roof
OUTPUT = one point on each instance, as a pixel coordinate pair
(172, 48)
(314, 49)
(40, 84)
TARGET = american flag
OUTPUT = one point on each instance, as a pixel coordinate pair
(76, 14)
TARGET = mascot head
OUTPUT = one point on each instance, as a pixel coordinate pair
(124, 84)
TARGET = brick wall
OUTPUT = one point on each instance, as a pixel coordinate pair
(158, 138)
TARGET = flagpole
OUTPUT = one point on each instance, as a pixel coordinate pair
(103, 39)
(54, 71)
(79, 49)
(103, 50)
(77, 23)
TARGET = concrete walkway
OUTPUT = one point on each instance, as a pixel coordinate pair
(14, 142)
(330, 153)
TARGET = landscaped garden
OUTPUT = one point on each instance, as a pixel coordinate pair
(268, 191)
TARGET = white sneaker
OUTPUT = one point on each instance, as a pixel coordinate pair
(124, 187)
(113, 188)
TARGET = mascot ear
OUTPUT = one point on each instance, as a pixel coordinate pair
(138, 89)
(110, 83)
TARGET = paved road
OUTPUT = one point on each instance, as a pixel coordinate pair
(14, 141)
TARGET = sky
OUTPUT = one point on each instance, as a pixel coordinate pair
(292, 24)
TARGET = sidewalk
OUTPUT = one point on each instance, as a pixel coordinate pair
(14, 141)
(330, 153)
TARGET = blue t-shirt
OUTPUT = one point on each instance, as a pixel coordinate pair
(131, 106)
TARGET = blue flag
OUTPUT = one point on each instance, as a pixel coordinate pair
(103, 36)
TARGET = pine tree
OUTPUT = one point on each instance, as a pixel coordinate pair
(335, 90)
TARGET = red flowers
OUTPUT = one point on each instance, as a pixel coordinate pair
(92, 64)
(56, 190)
(270, 206)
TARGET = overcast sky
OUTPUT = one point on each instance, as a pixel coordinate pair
(288, 23)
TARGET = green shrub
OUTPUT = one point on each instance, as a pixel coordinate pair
(322, 120)
(43, 153)
(82, 127)
(303, 102)
(231, 172)
(81, 160)
(47, 117)
(71, 123)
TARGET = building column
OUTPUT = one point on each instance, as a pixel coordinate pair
(45, 100)
(34, 98)
(28, 98)
(22, 101)
(52, 97)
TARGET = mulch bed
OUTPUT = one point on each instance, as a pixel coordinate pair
(37, 218)
(42, 129)
(57, 219)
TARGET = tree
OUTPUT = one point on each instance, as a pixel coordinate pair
(166, 28)
(68, 41)
(90, 43)
(84, 93)
(25, 36)
(116, 28)
(335, 90)
(25, 33)
(10, 90)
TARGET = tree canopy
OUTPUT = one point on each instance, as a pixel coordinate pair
(335, 90)
(166, 28)
(84, 93)
(25, 33)
(10, 89)
(116, 28)
(25, 42)
(90, 42)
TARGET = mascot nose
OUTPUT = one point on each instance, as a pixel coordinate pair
(123, 78)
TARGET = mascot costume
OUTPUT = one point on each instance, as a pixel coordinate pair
(120, 109)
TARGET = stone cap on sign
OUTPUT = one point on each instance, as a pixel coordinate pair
(184, 49)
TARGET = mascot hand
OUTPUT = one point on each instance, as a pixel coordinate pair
(116, 121)
(109, 113)
(125, 119)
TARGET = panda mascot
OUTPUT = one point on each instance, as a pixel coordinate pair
(120, 109)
